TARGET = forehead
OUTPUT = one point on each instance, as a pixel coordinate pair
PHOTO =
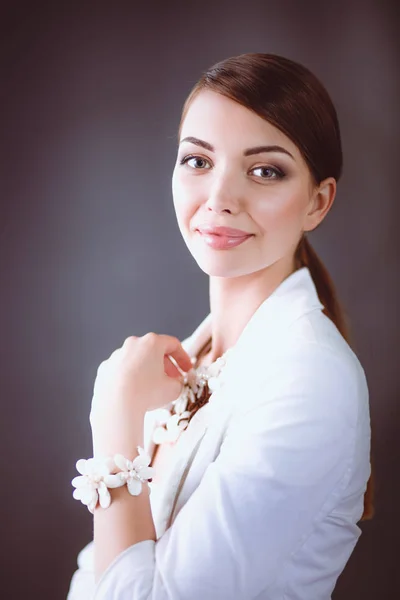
(223, 122)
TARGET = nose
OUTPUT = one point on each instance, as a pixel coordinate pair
(224, 194)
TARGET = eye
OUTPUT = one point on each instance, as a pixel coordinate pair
(195, 162)
(268, 172)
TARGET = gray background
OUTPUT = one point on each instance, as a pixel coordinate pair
(90, 252)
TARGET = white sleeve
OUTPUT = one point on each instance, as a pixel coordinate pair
(82, 584)
(283, 463)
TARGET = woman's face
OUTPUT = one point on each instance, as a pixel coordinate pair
(236, 170)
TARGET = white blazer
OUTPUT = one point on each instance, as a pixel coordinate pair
(266, 486)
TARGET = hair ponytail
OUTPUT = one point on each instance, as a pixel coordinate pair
(306, 256)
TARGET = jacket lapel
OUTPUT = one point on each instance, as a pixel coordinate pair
(164, 497)
(294, 297)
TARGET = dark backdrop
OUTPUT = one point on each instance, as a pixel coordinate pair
(90, 252)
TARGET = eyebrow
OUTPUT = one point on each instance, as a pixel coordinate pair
(248, 152)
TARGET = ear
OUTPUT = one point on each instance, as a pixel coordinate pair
(320, 203)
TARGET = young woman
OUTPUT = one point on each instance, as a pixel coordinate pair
(257, 426)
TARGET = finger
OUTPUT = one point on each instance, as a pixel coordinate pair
(170, 369)
(177, 389)
(173, 347)
(129, 341)
(115, 354)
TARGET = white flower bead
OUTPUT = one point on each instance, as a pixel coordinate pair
(163, 414)
(181, 403)
(194, 382)
(91, 486)
(134, 472)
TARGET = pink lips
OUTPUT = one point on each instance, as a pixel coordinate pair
(222, 238)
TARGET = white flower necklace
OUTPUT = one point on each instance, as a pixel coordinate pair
(196, 384)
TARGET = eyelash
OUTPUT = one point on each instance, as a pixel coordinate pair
(279, 174)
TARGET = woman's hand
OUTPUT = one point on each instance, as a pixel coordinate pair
(136, 378)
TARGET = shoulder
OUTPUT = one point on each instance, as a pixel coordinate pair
(315, 340)
(310, 362)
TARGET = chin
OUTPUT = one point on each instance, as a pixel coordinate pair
(221, 263)
(221, 267)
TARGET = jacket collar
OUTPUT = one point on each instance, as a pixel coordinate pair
(294, 297)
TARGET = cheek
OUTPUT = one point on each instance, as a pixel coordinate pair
(281, 216)
(184, 198)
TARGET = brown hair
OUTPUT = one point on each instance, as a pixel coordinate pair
(290, 97)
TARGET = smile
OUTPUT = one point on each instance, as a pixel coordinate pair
(223, 242)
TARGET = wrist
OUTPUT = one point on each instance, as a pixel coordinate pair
(125, 441)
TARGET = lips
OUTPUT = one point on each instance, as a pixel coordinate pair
(223, 231)
(223, 238)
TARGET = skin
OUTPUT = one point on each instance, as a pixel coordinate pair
(219, 187)
(224, 187)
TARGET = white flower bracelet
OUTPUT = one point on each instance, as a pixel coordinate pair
(99, 474)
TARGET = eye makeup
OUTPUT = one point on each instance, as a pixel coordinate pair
(277, 172)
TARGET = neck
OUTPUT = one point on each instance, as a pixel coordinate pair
(233, 301)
